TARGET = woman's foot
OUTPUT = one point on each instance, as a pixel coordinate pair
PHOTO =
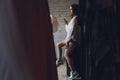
(58, 63)
(74, 75)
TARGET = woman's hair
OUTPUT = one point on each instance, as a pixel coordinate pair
(75, 8)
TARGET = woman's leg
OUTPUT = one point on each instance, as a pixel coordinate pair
(59, 48)
(67, 56)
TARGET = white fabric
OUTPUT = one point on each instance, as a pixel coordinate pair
(69, 28)
(54, 23)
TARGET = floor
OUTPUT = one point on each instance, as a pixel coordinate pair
(62, 72)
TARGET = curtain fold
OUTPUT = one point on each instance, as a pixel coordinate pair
(26, 41)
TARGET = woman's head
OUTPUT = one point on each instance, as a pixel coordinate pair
(74, 10)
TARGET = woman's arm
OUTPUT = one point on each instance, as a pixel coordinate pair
(72, 26)
(65, 21)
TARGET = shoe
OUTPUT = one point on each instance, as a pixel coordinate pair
(74, 75)
(58, 63)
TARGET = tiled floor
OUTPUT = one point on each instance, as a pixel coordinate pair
(62, 72)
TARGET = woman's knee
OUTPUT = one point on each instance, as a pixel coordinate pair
(58, 44)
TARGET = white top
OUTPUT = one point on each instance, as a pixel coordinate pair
(69, 28)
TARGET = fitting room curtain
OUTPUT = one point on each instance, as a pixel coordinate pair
(26, 41)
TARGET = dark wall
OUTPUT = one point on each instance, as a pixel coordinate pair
(99, 51)
(100, 39)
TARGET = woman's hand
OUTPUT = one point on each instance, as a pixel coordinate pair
(65, 21)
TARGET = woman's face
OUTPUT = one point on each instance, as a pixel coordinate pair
(71, 11)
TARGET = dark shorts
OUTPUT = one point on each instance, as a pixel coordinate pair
(73, 41)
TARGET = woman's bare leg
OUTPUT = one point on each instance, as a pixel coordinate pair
(67, 56)
(59, 48)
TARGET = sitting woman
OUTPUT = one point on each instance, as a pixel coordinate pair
(71, 41)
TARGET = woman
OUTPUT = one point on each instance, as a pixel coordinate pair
(71, 41)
